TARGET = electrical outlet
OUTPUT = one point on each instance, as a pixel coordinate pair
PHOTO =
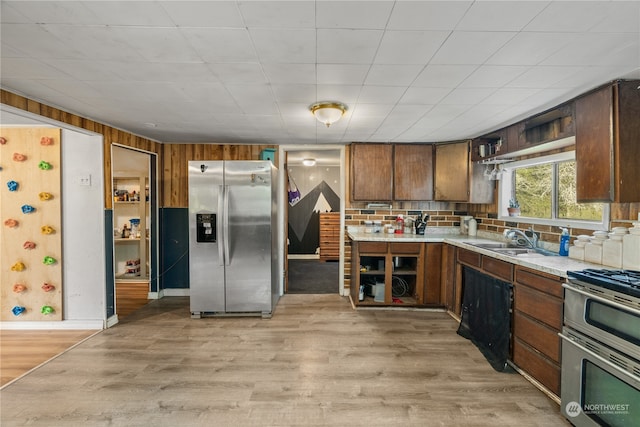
(84, 180)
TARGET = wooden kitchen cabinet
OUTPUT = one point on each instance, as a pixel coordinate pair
(432, 274)
(371, 172)
(607, 148)
(330, 236)
(448, 278)
(390, 273)
(451, 182)
(557, 123)
(413, 172)
(537, 320)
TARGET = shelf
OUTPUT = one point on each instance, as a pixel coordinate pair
(372, 273)
(126, 240)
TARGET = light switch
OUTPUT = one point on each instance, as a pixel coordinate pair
(84, 180)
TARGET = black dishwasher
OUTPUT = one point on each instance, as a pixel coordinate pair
(486, 316)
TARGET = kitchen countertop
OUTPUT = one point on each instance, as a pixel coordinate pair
(556, 265)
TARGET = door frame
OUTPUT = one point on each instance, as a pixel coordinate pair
(283, 204)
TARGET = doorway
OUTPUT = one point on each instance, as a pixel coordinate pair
(314, 218)
(133, 174)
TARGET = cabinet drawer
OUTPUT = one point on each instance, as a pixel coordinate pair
(372, 247)
(499, 268)
(548, 284)
(406, 248)
(469, 257)
(538, 305)
(540, 368)
(537, 335)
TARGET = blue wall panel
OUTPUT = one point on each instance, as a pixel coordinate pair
(174, 248)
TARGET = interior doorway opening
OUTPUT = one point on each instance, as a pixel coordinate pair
(314, 218)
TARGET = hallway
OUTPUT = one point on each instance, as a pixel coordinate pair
(316, 362)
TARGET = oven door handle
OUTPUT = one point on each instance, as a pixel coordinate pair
(600, 299)
(594, 355)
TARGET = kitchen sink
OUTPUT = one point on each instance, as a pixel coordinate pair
(513, 250)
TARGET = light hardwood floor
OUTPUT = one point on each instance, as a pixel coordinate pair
(317, 362)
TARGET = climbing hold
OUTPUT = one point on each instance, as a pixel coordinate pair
(28, 245)
(17, 157)
(47, 287)
(18, 310)
(19, 288)
(44, 196)
(26, 209)
(49, 260)
(47, 229)
(47, 309)
(45, 166)
(46, 140)
(13, 186)
(11, 223)
(18, 266)
(3, 140)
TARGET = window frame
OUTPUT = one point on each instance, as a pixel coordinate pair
(505, 187)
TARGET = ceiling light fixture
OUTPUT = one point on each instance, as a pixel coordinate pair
(309, 162)
(328, 112)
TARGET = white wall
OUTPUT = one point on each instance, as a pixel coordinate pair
(83, 244)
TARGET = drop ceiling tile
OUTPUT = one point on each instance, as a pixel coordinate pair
(596, 49)
(349, 14)
(471, 47)
(342, 74)
(499, 15)
(278, 14)
(392, 75)
(253, 98)
(424, 95)
(239, 73)
(85, 70)
(142, 13)
(569, 16)
(51, 12)
(543, 76)
(35, 41)
(27, 68)
(221, 44)
(294, 74)
(493, 75)
(409, 47)
(293, 93)
(427, 15)
(285, 45)
(508, 96)
(443, 75)
(530, 48)
(620, 16)
(204, 13)
(158, 44)
(347, 46)
(467, 96)
(347, 94)
(93, 42)
(364, 109)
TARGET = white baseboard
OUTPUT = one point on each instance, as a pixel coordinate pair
(303, 256)
(112, 321)
(175, 292)
(63, 324)
(155, 295)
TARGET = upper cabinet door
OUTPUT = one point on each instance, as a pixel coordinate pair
(607, 148)
(452, 172)
(371, 172)
(413, 172)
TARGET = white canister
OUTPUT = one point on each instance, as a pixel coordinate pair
(473, 227)
(612, 251)
(576, 252)
(368, 226)
(631, 252)
(593, 251)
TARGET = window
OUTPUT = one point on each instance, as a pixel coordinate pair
(545, 187)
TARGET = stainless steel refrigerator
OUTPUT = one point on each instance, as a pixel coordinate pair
(233, 257)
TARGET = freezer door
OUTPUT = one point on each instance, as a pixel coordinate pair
(206, 269)
(248, 270)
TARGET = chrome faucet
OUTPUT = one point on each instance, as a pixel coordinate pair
(532, 242)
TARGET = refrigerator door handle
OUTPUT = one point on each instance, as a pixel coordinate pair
(225, 225)
(219, 225)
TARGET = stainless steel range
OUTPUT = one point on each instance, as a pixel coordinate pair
(601, 348)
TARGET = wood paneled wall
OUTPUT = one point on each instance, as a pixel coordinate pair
(174, 168)
(172, 158)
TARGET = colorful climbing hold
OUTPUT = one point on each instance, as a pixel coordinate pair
(12, 185)
(27, 209)
(44, 196)
(45, 166)
(19, 288)
(49, 260)
(18, 310)
(17, 157)
(47, 309)
(11, 223)
(46, 140)
(47, 229)
(18, 266)
(48, 287)
(28, 245)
